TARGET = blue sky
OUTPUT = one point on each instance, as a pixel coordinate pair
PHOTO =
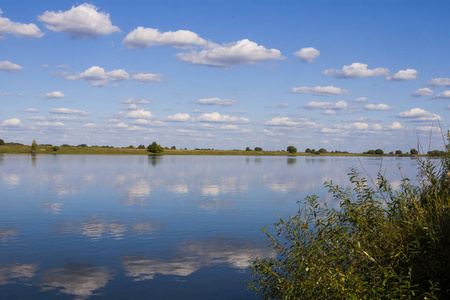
(342, 75)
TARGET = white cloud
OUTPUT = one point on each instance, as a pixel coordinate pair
(215, 101)
(147, 77)
(229, 127)
(307, 54)
(139, 114)
(97, 76)
(134, 101)
(13, 122)
(83, 21)
(89, 125)
(50, 124)
(284, 121)
(10, 67)
(18, 29)
(218, 118)
(326, 105)
(68, 119)
(320, 91)
(32, 110)
(439, 82)
(178, 118)
(380, 106)
(146, 37)
(360, 99)
(327, 130)
(443, 95)
(422, 92)
(355, 126)
(404, 75)
(395, 126)
(419, 115)
(68, 111)
(37, 118)
(356, 70)
(428, 128)
(52, 95)
(243, 52)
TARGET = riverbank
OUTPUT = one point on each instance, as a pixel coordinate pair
(24, 149)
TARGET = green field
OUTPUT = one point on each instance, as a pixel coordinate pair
(14, 148)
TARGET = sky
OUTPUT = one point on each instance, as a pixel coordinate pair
(339, 75)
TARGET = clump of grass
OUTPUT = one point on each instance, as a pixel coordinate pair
(382, 243)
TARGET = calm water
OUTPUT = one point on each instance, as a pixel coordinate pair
(138, 227)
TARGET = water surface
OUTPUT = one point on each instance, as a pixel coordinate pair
(144, 227)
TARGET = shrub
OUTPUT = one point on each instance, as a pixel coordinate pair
(307, 150)
(322, 150)
(378, 152)
(413, 151)
(2, 142)
(34, 147)
(381, 243)
(173, 148)
(258, 149)
(55, 148)
(141, 147)
(155, 148)
(398, 152)
(291, 149)
(248, 149)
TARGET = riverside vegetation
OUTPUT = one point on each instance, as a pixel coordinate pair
(382, 243)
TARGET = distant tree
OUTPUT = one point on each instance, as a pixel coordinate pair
(155, 148)
(2, 142)
(55, 148)
(173, 148)
(258, 149)
(322, 150)
(398, 152)
(65, 145)
(436, 153)
(369, 152)
(307, 150)
(413, 151)
(248, 149)
(291, 149)
(131, 147)
(379, 152)
(82, 145)
(34, 147)
(141, 147)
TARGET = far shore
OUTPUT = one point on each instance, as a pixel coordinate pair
(24, 149)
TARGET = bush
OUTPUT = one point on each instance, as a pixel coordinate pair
(291, 149)
(307, 150)
(322, 150)
(155, 148)
(173, 148)
(141, 147)
(2, 142)
(248, 149)
(34, 147)
(258, 149)
(413, 151)
(381, 243)
(398, 152)
(55, 148)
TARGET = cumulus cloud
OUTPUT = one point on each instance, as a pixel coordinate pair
(10, 67)
(326, 105)
(422, 92)
(13, 122)
(97, 76)
(215, 101)
(394, 126)
(50, 124)
(52, 95)
(419, 115)
(356, 70)
(404, 75)
(286, 121)
(243, 52)
(89, 125)
(439, 82)
(18, 29)
(68, 111)
(307, 54)
(134, 101)
(178, 118)
(32, 110)
(355, 126)
(147, 37)
(443, 95)
(147, 77)
(320, 91)
(139, 114)
(380, 106)
(83, 21)
(359, 99)
(218, 118)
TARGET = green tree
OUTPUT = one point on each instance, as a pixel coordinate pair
(378, 152)
(155, 148)
(34, 147)
(141, 147)
(248, 149)
(55, 148)
(380, 244)
(291, 149)
(322, 150)
(398, 152)
(2, 142)
(307, 150)
(258, 149)
(413, 151)
(173, 148)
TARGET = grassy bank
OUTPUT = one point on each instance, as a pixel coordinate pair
(14, 148)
